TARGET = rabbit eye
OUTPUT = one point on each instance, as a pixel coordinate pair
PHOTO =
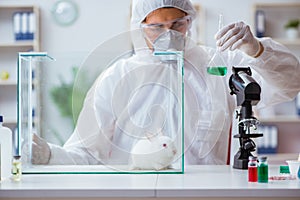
(164, 145)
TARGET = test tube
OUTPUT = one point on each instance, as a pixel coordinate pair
(220, 21)
(216, 65)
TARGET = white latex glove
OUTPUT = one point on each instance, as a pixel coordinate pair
(40, 150)
(238, 36)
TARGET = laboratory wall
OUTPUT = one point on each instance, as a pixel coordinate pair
(100, 20)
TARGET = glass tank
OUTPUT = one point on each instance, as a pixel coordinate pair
(126, 114)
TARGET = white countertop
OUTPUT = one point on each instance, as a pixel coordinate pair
(197, 181)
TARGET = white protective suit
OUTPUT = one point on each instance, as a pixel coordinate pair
(110, 112)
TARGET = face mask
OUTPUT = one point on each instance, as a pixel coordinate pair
(169, 41)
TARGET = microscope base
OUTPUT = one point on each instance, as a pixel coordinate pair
(241, 160)
(240, 164)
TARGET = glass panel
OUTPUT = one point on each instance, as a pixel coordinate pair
(28, 63)
(127, 118)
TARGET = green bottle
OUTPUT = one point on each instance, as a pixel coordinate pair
(262, 170)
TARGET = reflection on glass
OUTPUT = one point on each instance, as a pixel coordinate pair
(149, 129)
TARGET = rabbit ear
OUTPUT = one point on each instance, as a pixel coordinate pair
(160, 132)
(150, 136)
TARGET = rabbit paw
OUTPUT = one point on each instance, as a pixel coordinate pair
(159, 167)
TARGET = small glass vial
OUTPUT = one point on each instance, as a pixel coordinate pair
(262, 170)
(17, 168)
(252, 169)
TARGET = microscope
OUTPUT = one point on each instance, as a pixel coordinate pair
(247, 92)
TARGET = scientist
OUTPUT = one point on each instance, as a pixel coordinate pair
(102, 134)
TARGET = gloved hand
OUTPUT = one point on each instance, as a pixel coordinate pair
(40, 150)
(238, 36)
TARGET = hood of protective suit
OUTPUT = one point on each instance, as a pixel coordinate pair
(142, 8)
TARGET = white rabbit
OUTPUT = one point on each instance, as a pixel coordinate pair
(153, 153)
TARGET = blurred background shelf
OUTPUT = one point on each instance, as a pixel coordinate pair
(18, 44)
(269, 20)
(8, 83)
(281, 119)
(285, 41)
(280, 158)
(9, 48)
